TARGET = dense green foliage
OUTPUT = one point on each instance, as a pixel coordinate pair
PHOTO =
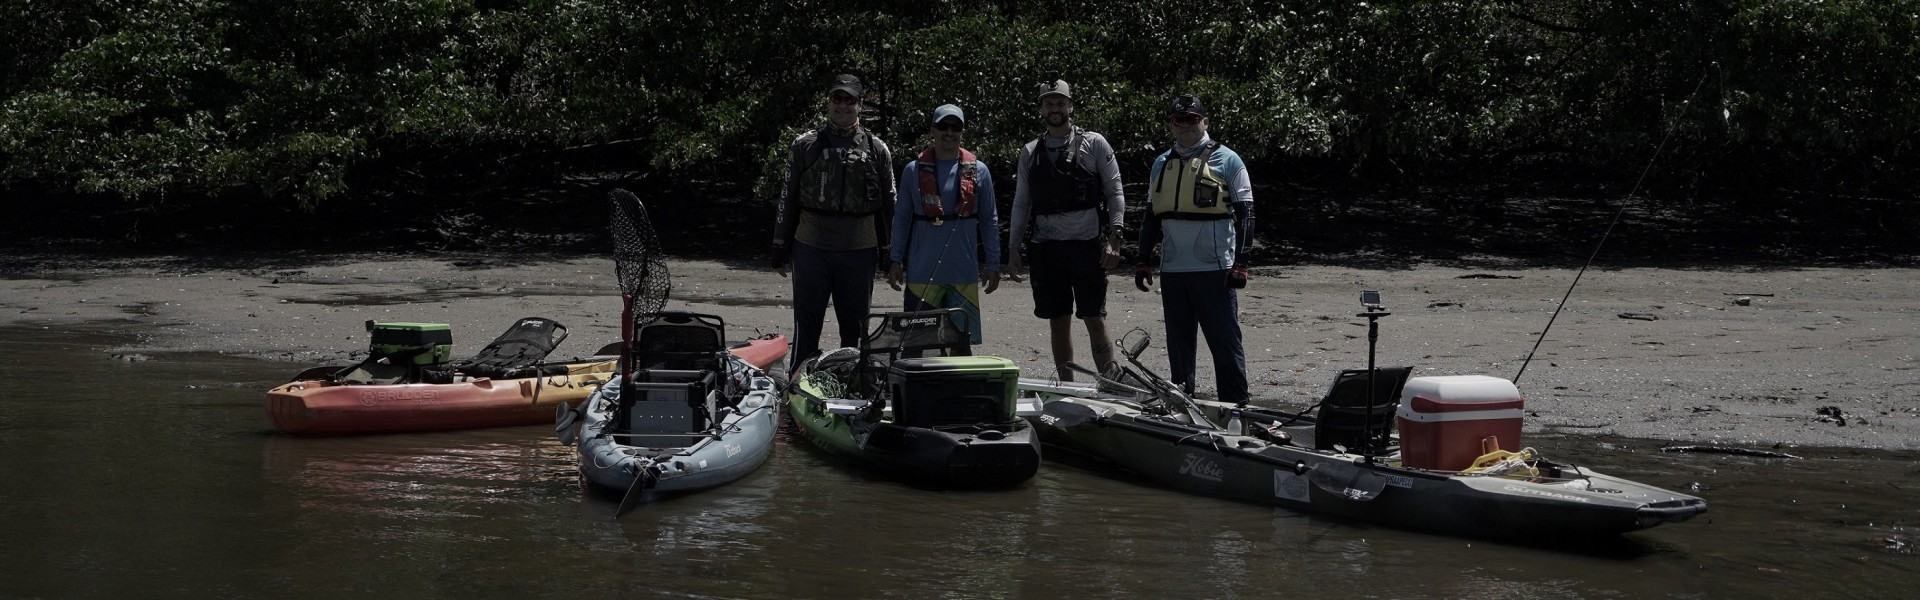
(311, 101)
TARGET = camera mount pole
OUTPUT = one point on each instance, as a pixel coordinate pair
(1370, 300)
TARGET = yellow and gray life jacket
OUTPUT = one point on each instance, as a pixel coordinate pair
(842, 180)
(1191, 188)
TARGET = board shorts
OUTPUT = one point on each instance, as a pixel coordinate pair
(964, 296)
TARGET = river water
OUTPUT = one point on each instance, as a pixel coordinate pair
(161, 478)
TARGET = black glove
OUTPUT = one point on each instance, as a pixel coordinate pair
(781, 254)
(1143, 277)
(1237, 277)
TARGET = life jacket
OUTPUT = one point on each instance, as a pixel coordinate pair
(841, 180)
(930, 209)
(1058, 186)
(1190, 188)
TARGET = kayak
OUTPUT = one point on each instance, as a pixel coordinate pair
(949, 420)
(1456, 466)
(407, 383)
(696, 416)
(331, 407)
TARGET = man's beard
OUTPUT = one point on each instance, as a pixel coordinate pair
(1056, 119)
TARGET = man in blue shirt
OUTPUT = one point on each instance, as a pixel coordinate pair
(944, 222)
(1199, 227)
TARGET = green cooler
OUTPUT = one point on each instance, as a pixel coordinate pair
(952, 390)
(406, 340)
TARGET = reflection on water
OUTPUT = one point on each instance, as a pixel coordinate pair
(163, 478)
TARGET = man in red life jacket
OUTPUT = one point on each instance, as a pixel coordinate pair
(944, 224)
(1069, 187)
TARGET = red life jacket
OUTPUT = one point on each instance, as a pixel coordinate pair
(930, 208)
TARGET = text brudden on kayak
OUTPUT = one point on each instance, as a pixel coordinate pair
(377, 396)
(1202, 467)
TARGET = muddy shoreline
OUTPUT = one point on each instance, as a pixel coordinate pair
(1765, 358)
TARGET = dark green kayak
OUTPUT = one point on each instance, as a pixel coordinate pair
(948, 420)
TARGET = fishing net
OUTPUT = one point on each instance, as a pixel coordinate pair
(638, 261)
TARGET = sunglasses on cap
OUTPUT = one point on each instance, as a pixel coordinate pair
(839, 98)
(1184, 118)
(950, 126)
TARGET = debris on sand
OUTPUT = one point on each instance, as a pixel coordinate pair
(1743, 301)
(1640, 316)
(1833, 414)
(1487, 276)
(1726, 450)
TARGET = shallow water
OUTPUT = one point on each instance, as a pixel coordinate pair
(162, 478)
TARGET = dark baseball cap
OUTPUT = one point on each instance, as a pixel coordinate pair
(1056, 87)
(1188, 103)
(847, 83)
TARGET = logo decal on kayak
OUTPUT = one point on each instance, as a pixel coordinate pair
(1400, 481)
(1202, 467)
(372, 397)
(912, 323)
(1544, 493)
(1289, 486)
(732, 449)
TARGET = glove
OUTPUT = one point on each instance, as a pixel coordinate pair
(781, 253)
(1237, 277)
(1143, 277)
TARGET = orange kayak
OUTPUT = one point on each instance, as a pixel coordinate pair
(320, 407)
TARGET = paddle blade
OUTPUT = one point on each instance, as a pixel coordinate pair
(1347, 481)
(637, 492)
(564, 418)
(1064, 415)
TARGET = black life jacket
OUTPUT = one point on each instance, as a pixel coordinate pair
(1062, 185)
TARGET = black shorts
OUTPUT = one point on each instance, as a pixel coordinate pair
(1067, 278)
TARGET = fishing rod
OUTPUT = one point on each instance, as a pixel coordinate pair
(1671, 125)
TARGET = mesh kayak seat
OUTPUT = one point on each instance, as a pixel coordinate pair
(895, 335)
(517, 352)
(1354, 415)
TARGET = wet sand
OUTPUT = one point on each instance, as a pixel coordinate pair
(1768, 359)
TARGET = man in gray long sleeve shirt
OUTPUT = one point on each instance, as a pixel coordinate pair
(1068, 185)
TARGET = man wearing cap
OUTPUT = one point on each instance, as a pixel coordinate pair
(945, 221)
(831, 226)
(1200, 220)
(1068, 185)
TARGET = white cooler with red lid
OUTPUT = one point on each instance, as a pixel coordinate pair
(1445, 422)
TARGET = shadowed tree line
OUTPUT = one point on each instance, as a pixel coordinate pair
(457, 120)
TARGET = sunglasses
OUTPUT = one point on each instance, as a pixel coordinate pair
(844, 99)
(945, 126)
(1184, 118)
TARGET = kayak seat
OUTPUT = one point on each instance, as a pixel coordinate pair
(679, 340)
(911, 334)
(1356, 416)
(517, 352)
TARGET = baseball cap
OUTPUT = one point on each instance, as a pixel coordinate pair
(1188, 103)
(847, 83)
(948, 110)
(1056, 87)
